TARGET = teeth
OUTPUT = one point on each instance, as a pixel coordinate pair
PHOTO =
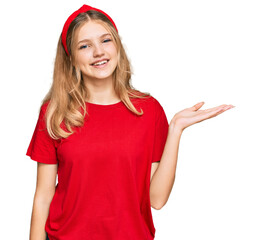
(100, 63)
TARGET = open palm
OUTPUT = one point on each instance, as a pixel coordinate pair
(192, 115)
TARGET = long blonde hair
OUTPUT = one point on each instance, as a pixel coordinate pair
(68, 91)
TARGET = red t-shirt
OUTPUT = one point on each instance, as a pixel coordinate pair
(104, 172)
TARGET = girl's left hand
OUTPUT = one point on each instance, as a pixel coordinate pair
(192, 115)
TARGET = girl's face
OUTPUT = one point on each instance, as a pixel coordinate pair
(94, 44)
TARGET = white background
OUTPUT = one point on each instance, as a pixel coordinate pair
(182, 52)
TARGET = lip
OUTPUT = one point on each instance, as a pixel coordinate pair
(100, 60)
(101, 66)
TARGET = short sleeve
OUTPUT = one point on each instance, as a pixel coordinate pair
(161, 132)
(42, 147)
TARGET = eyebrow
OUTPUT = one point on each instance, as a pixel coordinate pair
(85, 40)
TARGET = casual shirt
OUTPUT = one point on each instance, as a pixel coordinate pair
(104, 171)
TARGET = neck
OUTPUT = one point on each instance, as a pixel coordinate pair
(101, 91)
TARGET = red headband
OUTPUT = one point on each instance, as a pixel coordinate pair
(84, 8)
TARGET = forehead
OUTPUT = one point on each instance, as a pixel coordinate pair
(91, 30)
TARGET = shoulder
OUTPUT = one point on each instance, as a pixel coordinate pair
(158, 109)
(154, 104)
(44, 106)
(43, 109)
(150, 105)
(145, 100)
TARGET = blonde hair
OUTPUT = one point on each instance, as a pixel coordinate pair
(68, 91)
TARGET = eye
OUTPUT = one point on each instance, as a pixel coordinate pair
(107, 40)
(83, 46)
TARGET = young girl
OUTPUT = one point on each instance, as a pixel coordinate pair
(111, 145)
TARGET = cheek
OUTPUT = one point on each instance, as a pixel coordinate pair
(83, 59)
(112, 50)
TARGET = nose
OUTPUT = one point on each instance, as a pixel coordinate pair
(98, 50)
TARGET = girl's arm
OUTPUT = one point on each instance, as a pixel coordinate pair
(163, 178)
(45, 189)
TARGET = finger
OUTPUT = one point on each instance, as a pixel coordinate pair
(197, 106)
(215, 108)
(218, 111)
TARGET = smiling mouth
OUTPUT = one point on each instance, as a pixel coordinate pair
(100, 63)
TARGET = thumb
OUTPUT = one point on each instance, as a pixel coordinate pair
(198, 106)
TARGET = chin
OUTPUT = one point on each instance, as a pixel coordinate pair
(101, 76)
